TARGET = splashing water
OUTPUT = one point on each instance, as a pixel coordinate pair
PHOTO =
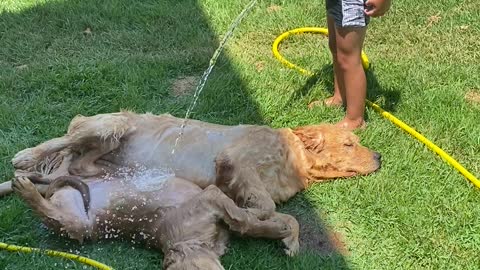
(207, 72)
(150, 180)
(143, 178)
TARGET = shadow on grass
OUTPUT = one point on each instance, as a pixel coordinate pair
(315, 236)
(388, 98)
(64, 58)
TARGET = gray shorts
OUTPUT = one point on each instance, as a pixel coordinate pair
(348, 12)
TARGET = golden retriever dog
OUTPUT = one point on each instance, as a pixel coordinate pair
(188, 224)
(256, 166)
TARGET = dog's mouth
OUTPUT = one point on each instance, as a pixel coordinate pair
(357, 173)
(367, 172)
(350, 173)
(376, 165)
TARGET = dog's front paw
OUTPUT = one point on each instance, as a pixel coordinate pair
(291, 242)
(25, 159)
(292, 246)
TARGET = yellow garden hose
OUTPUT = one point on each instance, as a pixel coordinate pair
(314, 30)
(54, 253)
(385, 114)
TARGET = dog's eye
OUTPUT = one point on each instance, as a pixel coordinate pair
(349, 144)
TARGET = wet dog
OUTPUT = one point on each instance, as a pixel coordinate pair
(256, 166)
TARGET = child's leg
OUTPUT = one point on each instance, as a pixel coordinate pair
(338, 97)
(350, 74)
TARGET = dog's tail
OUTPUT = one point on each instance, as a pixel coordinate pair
(70, 181)
(5, 188)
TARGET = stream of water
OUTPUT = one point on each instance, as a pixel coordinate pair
(213, 61)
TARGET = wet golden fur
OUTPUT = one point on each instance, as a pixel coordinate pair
(243, 171)
(161, 218)
(256, 166)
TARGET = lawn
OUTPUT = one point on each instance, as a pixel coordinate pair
(60, 58)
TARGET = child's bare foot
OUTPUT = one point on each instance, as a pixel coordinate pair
(352, 124)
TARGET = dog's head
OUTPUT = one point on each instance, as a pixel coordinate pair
(333, 152)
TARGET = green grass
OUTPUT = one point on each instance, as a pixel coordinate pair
(415, 213)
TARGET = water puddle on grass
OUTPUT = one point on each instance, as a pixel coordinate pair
(213, 61)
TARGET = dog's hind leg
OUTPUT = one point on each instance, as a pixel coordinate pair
(30, 157)
(89, 137)
(75, 224)
(48, 170)
(94, 137)
(45, 159)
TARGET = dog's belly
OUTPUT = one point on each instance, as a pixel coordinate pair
(127, 197)
(194, 155)
(119, 208)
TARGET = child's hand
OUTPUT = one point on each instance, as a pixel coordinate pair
(377, 8)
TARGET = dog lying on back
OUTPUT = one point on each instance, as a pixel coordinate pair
(190, 225)
(256, 166)
(217, 175)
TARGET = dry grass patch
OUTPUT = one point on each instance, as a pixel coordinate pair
(183, 86)
(473, 96)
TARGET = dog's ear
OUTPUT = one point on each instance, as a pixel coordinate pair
(312, 138)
